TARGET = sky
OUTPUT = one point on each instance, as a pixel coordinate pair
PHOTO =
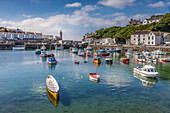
(75, 17)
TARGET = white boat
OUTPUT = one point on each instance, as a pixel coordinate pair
(74, 50)
(146, 52)
(157, 52)
(43, 48)
(108, 59)
(146, 71)
(52, 86)
(88, 48)
(141, 59)
(59, 47)
(18, 48)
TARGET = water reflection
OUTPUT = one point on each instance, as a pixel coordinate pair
(44, 59)
(94, 81)
(147, 82)
(52, 99)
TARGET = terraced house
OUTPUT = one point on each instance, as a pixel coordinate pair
(147, 37)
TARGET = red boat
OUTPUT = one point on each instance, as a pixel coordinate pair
(94, 76)
(76, 62)
(50, 55)
(104, 54)
(124, 59)
(164, 59)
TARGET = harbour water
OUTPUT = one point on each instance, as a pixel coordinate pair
(22, 73)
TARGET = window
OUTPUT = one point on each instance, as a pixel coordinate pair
(143, 35)
(138, 35)
(150, 33)
(134, 38)
(148, 37)
(138, 39)
(148, 42)
(134, 35)
(152, 37)
(143, 38)
(152, 42)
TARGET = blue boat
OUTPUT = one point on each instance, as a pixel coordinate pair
(51, 60)
(37, 51)
(118, 50)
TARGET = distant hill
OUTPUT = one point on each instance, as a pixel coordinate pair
(125, 32)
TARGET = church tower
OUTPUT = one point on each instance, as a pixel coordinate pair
(61, 35)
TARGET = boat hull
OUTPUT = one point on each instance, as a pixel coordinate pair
(97, 61)
(151, 75)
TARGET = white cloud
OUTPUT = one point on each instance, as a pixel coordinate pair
(26, 16)
(168, 3)
(97, 14)
(157, 4)
(119, 4)
(113, 15)
(66, 22)
(76, 4)
(141, 16)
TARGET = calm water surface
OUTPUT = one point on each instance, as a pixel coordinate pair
(22, 73)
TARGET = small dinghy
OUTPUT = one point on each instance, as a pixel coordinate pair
(51, 60)
(76, 62)
(43, 54)
(124, 59)
(52, 86)
(109, 60)
(97, 61)
(94, 76)
(37, 51)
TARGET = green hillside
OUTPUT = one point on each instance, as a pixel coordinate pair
(125, 32)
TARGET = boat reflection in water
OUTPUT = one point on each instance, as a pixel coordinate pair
(53, 100)
(44, 59)
(147, 82)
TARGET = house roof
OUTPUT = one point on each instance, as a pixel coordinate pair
(155, 18)
(141, 32)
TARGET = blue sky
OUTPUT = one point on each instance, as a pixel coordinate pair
(75, 17)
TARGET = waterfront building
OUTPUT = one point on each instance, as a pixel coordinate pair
(151, 20)
(147, 37)
(134, 22)
(108, 41)
(166, 38)
(65, 42)
(47, 37)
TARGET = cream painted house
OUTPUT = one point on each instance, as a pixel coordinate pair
(147, 37)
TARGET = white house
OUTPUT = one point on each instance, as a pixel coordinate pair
(108, 41)
(153, 19)
(147, 37)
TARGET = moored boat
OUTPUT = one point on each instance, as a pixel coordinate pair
(43, 48)
(94, 76)
(82, 53)
(18, 48)
(51, 60)
(96, 54)
(124, 59)
(76, 62)
(117, 50)
(52, 86)
(50, 55)
(141, 59)
(146, 52)
(37, 51)
(146, 71)
(97, 61)
(164, 59)
(43, 54)
(157, 52)
(53, 100)
(74, 50)
(109, 60)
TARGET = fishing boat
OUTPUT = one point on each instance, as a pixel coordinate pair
(117, 50)
(51, 60)
(141, 59)
(43, 48)
(59, 47)
(50, 55)
(52, 86)
(76, 62)
(88, 48)
(52, 99)
(124, 59)
(164, 59)
(74, 50)
(82, 53)
(104, 53)
(43, 54)
(146, 71)
(89, 53)
(97, 61)
(128, 53)
(94, 76)
(108, 59)
(37, 51)
(157, 52)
